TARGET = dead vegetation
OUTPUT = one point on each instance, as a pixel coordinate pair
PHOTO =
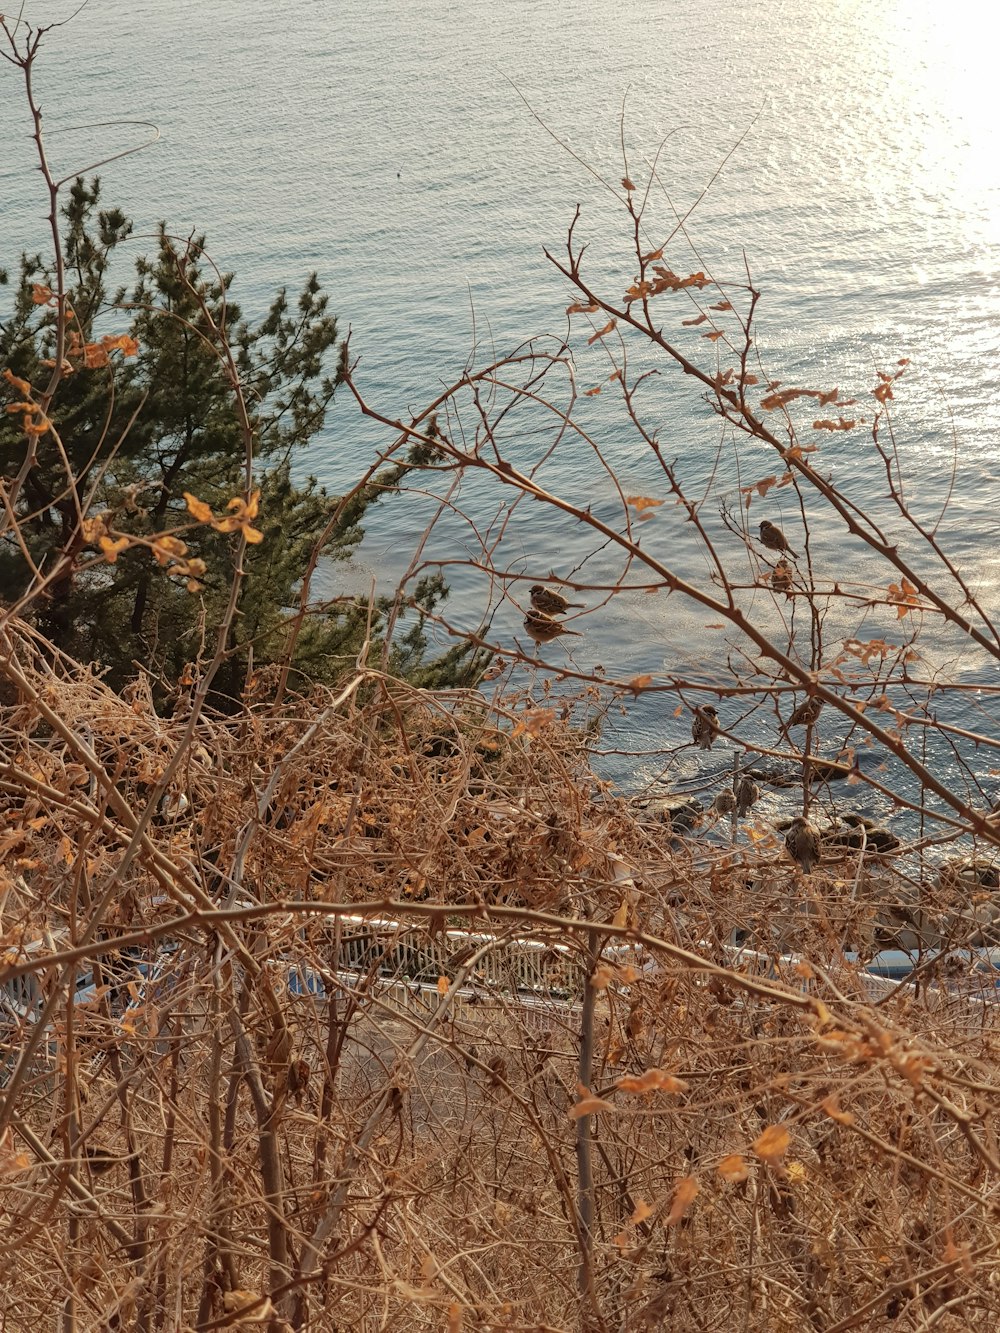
(663, 1129)
(367, 1006)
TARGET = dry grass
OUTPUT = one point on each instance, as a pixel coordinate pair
(390, 1157)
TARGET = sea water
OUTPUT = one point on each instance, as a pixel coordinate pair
(420, 156)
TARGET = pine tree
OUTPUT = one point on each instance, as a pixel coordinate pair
(146, 417)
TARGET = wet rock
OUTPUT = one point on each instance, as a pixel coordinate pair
(680, 813)
(790, 775)
(968, 874)
(828, 770)
(776, 775)
(855, 832)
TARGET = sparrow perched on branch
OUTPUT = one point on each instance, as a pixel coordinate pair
(551, 603)
(747, 793)
(781, 578)
(725, 802)
(101, 1160)
(705, 726)
(298, 1078)
(802, 843)
(774, 539)
(805, 715)
(543, 629)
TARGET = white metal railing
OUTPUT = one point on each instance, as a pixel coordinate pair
(537, 974)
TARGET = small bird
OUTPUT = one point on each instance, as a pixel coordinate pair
(781, 578)
(805, 715)
(551, 603)
(802, 843)
(543, 629)
(747, 793)
(298, 1079)
(173, 805)
(774, 539)
(100, 1159)
(705, 726)
(725, 802)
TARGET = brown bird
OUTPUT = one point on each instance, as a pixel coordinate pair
(805, 715)
(781, 578)
(802, 843)
(100, 1160)
(543, 629)
(551, 603)
(747, 793)
(774, 539)
(298, 1079)
(725, 802)
(705, 726)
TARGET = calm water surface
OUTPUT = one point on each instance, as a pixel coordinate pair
(388, 145)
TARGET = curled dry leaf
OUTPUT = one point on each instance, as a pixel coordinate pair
(95, 356)
(772, 1145)
(761, 487)
(844, 423)
(172, 548)
(258, 1308)
(685, 1193)
(770, 402)
(112, 547)
(588, 1104)
(15, 381)
(93, 528)
(734, 1168)
(601, 332)
(198, 508)
(238, 516)
(534, 721)
(653, 1080)
(11, 1161)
